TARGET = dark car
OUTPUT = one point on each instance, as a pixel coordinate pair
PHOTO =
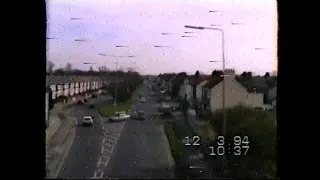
(94, 96)
(92, 106)
(85, 100)
(140, 115)
(79, 102)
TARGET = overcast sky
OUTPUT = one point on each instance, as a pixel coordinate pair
(138, 24)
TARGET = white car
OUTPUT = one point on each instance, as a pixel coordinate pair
(142, 99)
(164, 105)
(119, 117)
(87, 120)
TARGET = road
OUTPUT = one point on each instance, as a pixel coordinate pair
(142, 150)
(82, 159)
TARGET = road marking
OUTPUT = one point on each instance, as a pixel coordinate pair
(110, 138)
(108, 148)
(113, 131)
(103, 140)
(107, 161)
(102, 149)
(101, 175)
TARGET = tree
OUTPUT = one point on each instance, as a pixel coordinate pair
(249, 74)
(59, 72)
(216, 73)
(68, 69)
(103, 69)
(267, 74)
(50, 66)
(197, 74)
(244, 74)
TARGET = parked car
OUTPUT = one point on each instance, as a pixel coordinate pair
(79, 102)
(92, 106)
(85, 100)
(87, 120)
(119, 117)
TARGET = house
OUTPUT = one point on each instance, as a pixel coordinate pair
(236, 92)
(185, 90)
(197, 85)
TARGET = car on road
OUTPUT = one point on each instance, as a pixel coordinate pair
(80, 102)
(87, 120)
(142, 99)
(139, 115)
(85, 100)
(119, 117)
(94, 96)
(92, 106)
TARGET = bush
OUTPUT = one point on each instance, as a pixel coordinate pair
(260, 128)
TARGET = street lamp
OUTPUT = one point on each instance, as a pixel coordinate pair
(224, 129)
(117, 64)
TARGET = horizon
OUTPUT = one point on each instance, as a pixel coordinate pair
(80, 30)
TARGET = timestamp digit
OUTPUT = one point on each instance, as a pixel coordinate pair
(237, 150)
(245, 140)
(220, 140)
(220, 150)
(212, 151)
(237, 140)
(246, 149)
(196, 140)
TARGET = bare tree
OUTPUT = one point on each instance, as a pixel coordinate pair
(50, 66)
(68, 67)
(103, 69)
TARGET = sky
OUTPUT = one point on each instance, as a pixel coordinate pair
(138, 24)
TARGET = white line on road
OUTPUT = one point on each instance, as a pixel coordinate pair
(102, 149)
(107, 161)
(101, 175)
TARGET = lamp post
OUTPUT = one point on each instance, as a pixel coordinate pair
(117, 64)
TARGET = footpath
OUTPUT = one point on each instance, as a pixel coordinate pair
(59, 137)
(194, 159)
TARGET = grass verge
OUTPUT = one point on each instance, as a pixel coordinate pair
(109, 109)
(176, 147)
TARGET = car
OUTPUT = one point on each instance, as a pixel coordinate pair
(87, 120)
(152, 94)
(142, 99)
(80, 102)
(119, 117)
(139, 115)
(94, 96)
(164, 105)
(92, 106)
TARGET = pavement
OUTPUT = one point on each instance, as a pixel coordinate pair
(85, 151)
(58, 142)
(142, 150)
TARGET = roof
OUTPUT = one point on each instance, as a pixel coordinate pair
(213, 81)
(195, 82)
(257, 84)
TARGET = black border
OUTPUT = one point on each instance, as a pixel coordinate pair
(28, 125)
